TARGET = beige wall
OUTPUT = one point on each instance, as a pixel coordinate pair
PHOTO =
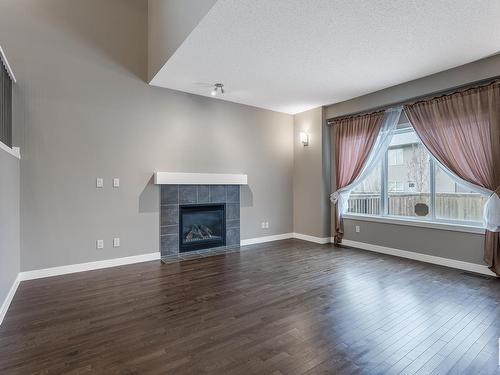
(467, 247)
(9, 222)
(169, 23)
(476, 71)
(82, 110)
(311, 179)
(460, 246)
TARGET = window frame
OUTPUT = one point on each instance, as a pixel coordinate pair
(8, 147)
(430, 220)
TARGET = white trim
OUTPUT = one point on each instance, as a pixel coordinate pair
(7, 66)
(314, 239)
(80, 267)
(276, 237)
(8, 299)
(14, 151)
(285, 236)
(416, 223)
(175, 178)
(466, 266)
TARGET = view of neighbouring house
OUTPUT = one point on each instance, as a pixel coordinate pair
(413, 179)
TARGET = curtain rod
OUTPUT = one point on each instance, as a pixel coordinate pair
(415, 98)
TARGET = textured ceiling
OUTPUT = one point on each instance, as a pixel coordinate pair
(293, 55)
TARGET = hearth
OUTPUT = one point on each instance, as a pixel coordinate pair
(201, 226)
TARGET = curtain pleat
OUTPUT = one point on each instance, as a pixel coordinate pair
(462, 131)
(354, 140)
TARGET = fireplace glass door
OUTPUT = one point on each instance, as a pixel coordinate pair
(202, 226)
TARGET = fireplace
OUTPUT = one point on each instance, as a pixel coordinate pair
(201, 226)
(186, 202)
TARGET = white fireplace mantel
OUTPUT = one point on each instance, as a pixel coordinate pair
(178, 178)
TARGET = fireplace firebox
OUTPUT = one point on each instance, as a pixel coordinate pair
(201, 226)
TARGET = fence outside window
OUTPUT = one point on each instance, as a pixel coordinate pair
(458, 206)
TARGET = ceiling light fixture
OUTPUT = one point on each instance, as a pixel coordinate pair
(217, 87)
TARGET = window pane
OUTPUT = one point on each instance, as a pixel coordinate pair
(366, 198)
(455, 202)
(395, 156)
(408, 177)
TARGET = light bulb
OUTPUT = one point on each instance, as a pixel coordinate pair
(304, 138)
(217, 87)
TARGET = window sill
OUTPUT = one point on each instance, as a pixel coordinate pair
(417, 223)
(14, 151)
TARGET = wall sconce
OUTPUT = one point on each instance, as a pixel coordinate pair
(304, 138)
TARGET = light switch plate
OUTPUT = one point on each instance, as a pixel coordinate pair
(116, 182)
(100, 244)
(99, 182)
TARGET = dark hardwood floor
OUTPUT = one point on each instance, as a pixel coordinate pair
(287, 307)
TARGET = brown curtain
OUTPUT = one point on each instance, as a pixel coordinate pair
(462, 131)
(354, 139)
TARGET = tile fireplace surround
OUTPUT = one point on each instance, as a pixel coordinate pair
(173, 196)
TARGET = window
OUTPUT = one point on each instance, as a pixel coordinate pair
(396, 186)
(5, 102)
(409, 184)
(455, 202)
(395, 156)
(409, 194)
(366, 198)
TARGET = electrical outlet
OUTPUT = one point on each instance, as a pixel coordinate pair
(99, 182)
(100, 244)
(358, 229)
(263, 225)
(267, 224)
(116, 182)
(116, 242)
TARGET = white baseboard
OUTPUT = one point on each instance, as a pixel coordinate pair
(276, 237)
(284, 236)
(466, 266)
(306, 237)
(80, 267)
(72, 268)
(8, 299)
